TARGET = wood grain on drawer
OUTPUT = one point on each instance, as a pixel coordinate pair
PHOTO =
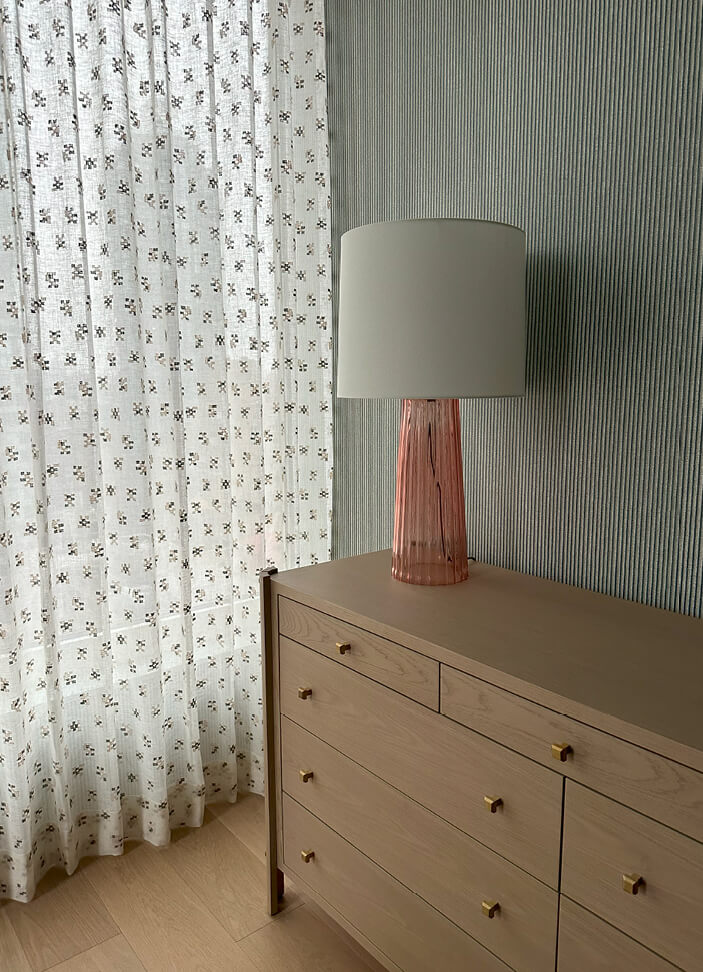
(441, 765)
(653, 784)
(450, 870)
(404, 927)
(604, 841)
(587, 944)
(400, 668)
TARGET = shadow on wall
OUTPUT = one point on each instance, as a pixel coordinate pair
(548, 475)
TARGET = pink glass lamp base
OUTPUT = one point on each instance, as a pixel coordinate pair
(429, 536)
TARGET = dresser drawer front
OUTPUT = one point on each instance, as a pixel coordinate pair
(402, 669)
(587, 944)
(398, 922)
(450, 870)
(442, 766)
(603, 842)
(650, 783)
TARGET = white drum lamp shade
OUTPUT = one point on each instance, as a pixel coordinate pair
(432, 308)
(430, 311)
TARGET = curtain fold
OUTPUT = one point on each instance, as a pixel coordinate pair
(165, 403)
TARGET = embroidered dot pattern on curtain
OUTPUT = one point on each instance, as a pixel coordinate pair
(165, 403)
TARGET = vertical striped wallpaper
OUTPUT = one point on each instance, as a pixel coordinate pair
(582, 123)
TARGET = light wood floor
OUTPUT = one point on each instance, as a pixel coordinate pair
(197, 904)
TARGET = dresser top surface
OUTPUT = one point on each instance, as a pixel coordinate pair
(640, 665)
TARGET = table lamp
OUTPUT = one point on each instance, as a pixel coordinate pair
(430, 311)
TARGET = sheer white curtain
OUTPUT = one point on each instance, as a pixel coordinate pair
(165, 402)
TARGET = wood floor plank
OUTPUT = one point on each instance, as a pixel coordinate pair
(300, 942)
(114, 955)
(161, 918)
(63, 920)
(246, 820)
(12, 957)
(229, 880)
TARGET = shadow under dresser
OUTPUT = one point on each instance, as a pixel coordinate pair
(501, 774)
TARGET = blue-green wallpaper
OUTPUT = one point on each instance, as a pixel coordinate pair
(582, 123)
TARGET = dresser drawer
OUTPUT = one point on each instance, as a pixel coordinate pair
(400, 668)
(587, 944)
(404, 927)
(442, 766)
(450, 870)
(653, 784)
(604, 842)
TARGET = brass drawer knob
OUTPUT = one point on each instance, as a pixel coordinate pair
(490, 908)
(561, 751)
(632, 883)
(307, 856)
(343, 647)
(306, 775)
(304, 693)
(492, 803)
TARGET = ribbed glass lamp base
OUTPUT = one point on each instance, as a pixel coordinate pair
(429, 537)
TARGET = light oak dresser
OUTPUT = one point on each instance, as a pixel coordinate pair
(507, 773)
